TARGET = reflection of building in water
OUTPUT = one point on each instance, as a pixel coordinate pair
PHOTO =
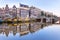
(6, 31)
(22, 29)
(13, 30)
(34, 27)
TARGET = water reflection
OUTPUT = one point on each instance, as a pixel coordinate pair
(21, 28)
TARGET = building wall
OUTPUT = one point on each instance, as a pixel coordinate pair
(35, 12)
(23, 12)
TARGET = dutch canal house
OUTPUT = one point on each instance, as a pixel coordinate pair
(26, 13)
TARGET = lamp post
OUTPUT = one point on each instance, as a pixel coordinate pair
(29, 13)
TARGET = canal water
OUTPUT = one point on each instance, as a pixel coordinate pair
(29, 31)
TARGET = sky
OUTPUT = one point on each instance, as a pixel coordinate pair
(46, 5)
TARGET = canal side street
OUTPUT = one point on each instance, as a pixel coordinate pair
(26, 14)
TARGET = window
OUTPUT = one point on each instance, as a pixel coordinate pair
(24, 13)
